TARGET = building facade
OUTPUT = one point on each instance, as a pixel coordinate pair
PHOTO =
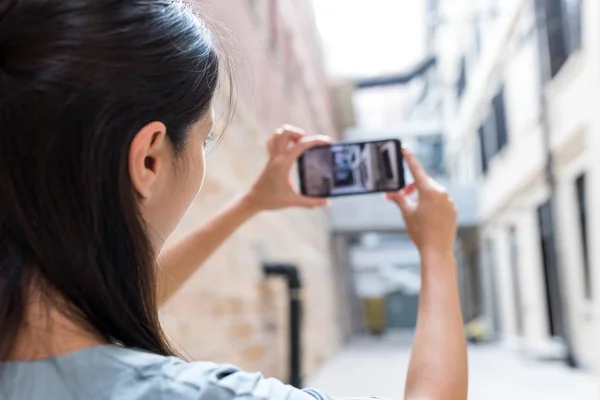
(369, 232)
(522, 88)
(229, 311)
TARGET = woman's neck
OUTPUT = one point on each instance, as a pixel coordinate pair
(48, 332)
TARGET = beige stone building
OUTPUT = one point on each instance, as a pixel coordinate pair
(229, 312)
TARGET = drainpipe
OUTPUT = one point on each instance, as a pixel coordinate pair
(292, 275)
(541, 25)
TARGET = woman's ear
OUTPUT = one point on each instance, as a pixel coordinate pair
(148, 154)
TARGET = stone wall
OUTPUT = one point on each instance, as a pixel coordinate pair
(228, 312)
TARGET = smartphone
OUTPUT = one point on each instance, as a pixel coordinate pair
(351, 168)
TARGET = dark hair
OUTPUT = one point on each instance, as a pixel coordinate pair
(78, 80)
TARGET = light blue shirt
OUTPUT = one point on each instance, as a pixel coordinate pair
(114, 373)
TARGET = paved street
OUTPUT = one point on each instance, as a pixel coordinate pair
(371, 367)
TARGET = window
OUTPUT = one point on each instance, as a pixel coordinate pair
(462, 78)
(482, 150)
(580, 184)
(487, 141)
(573, 17)
(493, 134)
(500, 117)
(552, 287)
(563, 29)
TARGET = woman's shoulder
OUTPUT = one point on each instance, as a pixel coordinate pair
(151, 376)
(111, 372)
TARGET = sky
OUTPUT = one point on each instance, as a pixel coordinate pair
(371, 37)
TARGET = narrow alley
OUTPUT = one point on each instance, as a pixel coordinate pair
(377, 367)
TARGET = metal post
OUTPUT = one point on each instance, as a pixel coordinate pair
(295, 338)
(292, 275)
(541, 23)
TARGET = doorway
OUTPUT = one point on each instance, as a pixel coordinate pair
(550, 270)
(402, 308)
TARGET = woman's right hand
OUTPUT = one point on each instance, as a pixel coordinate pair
(438, 363)
(431, 221)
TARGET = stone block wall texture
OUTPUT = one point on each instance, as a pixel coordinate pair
(228, 311)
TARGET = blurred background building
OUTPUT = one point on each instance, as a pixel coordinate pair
(497, 99)
(521, 81)
(405, 101)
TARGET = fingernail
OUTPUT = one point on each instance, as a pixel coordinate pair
(293, 128)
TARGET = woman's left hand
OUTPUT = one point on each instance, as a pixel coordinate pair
(273, 190)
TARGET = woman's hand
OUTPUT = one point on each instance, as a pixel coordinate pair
(431, 220)
(273, 190)
(438, 363)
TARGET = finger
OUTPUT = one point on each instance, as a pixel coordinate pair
(276, 137)
(406, 191)
(288, 134)
(406, 204)
(417, 171)
(308, 142)
(294, 129)
(409, 189)
(271, 145)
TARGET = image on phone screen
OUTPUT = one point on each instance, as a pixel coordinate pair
(352, 168)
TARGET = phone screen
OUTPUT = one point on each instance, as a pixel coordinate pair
(345, 169)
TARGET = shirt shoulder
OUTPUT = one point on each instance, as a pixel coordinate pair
(154, 377)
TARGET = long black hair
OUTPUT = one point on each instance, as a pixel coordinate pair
(78, 80)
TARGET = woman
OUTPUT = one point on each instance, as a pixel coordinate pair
(105, 110)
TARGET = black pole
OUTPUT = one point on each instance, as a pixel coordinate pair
(292, 275)
(542, 26)
(295, 336)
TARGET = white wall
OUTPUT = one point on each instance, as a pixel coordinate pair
(591, 37)
(581, 315)
(530, 274)
(532, 279)
(515, 184)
